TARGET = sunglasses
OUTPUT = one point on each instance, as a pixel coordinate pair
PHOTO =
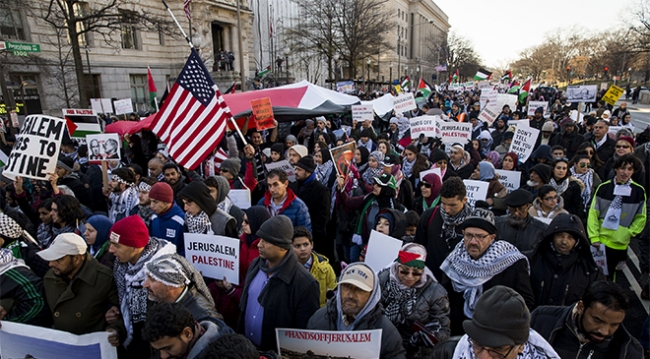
(622, 146)
(406, 272)
(583, 165)
(426, 185)
(245, 221)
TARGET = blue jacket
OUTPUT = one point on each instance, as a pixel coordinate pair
(170, 226)
(293, 207)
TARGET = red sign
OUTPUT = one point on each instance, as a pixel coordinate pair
(263, 113)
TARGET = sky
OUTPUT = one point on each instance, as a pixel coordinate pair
(501, 29)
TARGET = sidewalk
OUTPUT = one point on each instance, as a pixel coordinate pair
(636, 107)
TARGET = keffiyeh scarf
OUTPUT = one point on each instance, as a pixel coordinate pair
(145, 212)
(199, 223)
(407, 168)
(324, 172)
(370, 174)
(399, 302)
(561, 187)
(535, 348)
(468, 275)
(449, 223)
(8, 261)
(225, 205)
(121, 204)
(588, 179)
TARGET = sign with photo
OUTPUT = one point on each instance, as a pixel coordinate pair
(103, 147)
(584, 93)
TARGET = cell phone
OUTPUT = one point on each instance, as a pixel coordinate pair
(419, 327)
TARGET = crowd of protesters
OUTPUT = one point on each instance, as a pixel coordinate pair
(511, 275)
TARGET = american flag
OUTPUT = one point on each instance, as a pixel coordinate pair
(186, 7)
(193, 119)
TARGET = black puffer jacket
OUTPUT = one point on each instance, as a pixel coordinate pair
(526, 237)
(562, 279)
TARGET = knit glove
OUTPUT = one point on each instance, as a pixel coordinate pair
(356, 239)
(420, 339)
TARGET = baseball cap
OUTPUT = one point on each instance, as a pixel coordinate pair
(65, 244)
(360, 276)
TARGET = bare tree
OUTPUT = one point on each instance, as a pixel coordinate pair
(461, 55)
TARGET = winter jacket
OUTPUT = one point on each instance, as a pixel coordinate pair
(291, 299)
(570, 142)
(356, 203)
(170, 226)
(556, 326)
(536, 210)
(391, 342)
(526, 237)
(198, 305)
(324, 274)
(22, 295)
(318, 199)
(605, 151)
(463, 172)
(562, 279)
(632, 219)
(293, 207)
(431, 306)
(429, 234)
(572, 197)
(223, 224)
(79, 306)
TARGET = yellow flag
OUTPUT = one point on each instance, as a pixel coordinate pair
(398, 88)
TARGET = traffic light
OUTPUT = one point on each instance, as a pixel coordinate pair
(606, 69)
(568, 69)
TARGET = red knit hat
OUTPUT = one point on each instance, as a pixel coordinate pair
(162, 192)
(627, 139)
(130, 231)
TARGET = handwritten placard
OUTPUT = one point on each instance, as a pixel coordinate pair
(510, 179)
(476, 191)
(263, 112)
(214, 256)
(523, 142)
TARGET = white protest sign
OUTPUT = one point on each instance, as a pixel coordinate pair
(36, 150)
(29, 341)
(576, 116)
(382, 250)
(433, 170)
(614, 129)
(404, 102)
(96, 104)
(489, 97)
(456, 132)
(533, 105)
(214, 256)
(476, 191)
(362, 112)
(517, 123)
(240, 198)
(285, 166)
(584, 93)
(523, 142)
(600, 257)
(296, 343)
(123, 106)
(429, 126)
(510, 179)
(489, 114)
(103, 147)
(506, 99)
(107, 105)
(14, 119)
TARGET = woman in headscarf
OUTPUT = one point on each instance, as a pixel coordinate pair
(414, 163)
(494, 158)
(430, 193)
(361, 155)
(98, 228)
(485, 138)
(277, 152)
(440, 159)
(485, 172)
(414, 301)
(325, 171)
(569, 188)
(373, 170)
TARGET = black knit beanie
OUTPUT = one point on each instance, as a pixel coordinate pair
(199, 193)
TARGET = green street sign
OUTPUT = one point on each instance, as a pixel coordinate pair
(22, 47)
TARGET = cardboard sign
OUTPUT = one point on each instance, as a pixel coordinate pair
(456, 132)
(103, 147)
(506, 99)
(600, 257)
(476, 191)
(404, 102)
(523, 142)
(489, 97)
(263, 112)
(613, 94)
(585, 93)
(429, 126)
(533, 105)
(240, 198)
(107, 105)
(214, 256)
(29, 341)
(362, 113)
(14, 119)
(510, 179)
(302, 343)
(96, 105)
(489, 114)
(36, 150)
(433, 170)
(285, 166)
(382, 250)
(123, 106)
(342, 157)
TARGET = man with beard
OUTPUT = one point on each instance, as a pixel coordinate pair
(78, 289)
(537, 121)
(143, 209)
(568, 137)
(460, 162)
(175, 179)
(438, 229)
(156, 168)
(591, 328)
(123, 195)
(602, 142)
(498, 133)
(357, 307)
(518, 227)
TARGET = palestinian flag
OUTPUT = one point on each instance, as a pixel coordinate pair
(455, 77)
(507, 76)
(152, 89)
(482, 74)
(4, 159)
(406, 82)
(424, 89)
(524, 90)
(232, 88)
(264, 72)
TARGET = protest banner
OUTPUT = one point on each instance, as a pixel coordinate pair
(214, 256)
(96, 105)
(107, 105)
(429, 126)
(103, 147)
(240, 198)
(345, 87)
(36, 150)
(506, 99)
(433, 170)
(81, 122)
(304, 343)
(404, 102)
(363, 112)
(523, 142)
(489, 114)
(613, 94)
(600, 257)
(489, 97)
(123, 106)
(29, 341)
(584, 93)
(342, 157)
(533, 105)
(476, 191)
(510, 179)
(382, 250)
(285, 166)
(263, 112)
(456, 132)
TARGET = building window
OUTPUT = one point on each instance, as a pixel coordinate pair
(26, 94)
(79, 12)
(161, 37)
(11, 25)
(139, 93)
(129, 30)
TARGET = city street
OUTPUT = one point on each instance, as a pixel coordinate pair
(640, 115)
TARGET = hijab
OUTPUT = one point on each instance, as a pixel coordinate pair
(103, 226)
(487, 170)
(256, 216)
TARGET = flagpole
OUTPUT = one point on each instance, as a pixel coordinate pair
(177, 24)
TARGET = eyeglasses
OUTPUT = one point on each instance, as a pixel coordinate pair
(549, 198)
(426, 185)
(479, 237)
(493, 353)
(622, 146)
(403, 270)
